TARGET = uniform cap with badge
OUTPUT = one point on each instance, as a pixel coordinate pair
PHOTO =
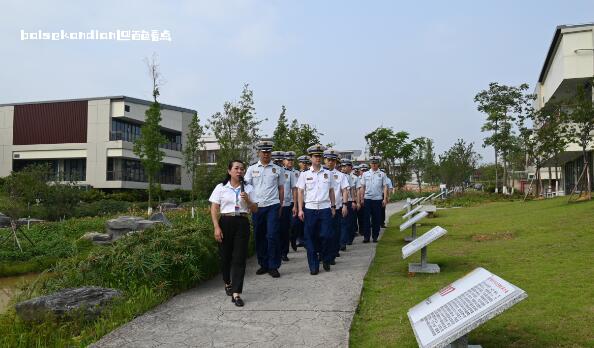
(316, 149)
(331, 154)
(264, 145)
(347, 162)
(277, 155)
(290, 155)
(375, 159)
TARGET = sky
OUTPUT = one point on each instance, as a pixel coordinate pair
(345, 67)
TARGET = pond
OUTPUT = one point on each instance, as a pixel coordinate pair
(9, 285)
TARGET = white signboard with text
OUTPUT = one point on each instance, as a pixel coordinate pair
(422, 241)
(413, 220)
(461, 307)
(412, 212)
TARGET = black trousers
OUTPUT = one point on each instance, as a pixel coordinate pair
(233, 250)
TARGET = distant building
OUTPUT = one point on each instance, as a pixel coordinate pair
(90, 140)
(568, 64)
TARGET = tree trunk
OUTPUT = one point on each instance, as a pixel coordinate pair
(537, 180)
(587, 165)
(550, 179)
(150, 189)
(496, 177)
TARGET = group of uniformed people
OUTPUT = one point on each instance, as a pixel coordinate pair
(321, 205)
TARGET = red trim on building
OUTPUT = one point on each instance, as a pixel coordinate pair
(50, 123)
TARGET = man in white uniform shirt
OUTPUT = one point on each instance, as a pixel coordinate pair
(316, 209)
(373, 195)
(341, 186)
(268, 181)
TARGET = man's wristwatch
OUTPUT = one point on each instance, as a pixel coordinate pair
(333, 207)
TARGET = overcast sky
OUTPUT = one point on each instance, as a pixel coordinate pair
(345, 67)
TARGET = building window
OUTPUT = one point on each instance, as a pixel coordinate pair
(127, 108)
(128, 131)
(124, 169)
(69, 169)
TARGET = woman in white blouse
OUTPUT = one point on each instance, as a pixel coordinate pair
(232, 200)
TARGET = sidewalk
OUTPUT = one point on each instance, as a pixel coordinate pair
(295, 310)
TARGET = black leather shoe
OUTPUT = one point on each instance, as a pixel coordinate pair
(238, 301)
(300, 245)
(375, 240)
(284, 258)
(294, 246)
(228, 290)
(343, 248)
(326, 266)
(337, 254)
(332, 262)
(314, 272)
(274, 273)
(365, 240)
(261, 271)
(383, 226)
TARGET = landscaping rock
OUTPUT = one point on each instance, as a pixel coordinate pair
(32, 221)
(167, 206)
(90, 235)
(160, 217)
(73, 303)
(4, 221)
(123, 225)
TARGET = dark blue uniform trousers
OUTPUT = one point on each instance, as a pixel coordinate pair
(372, 211)
(347, 228)
(317, 233)
(336, 229)
(267, 236)
(285, 228)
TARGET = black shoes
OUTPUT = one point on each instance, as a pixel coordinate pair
(383, 226)
(274, 273)
(337, 254)
(314, 272)
(326, 266)
(375, 240)
(228, 290)
(294, 246)
(365, 240)
(285, 258)
(238, 301)
(343, 248)
(332, 262)
(261, 271)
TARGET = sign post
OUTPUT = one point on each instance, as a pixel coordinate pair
(412, 222)
(421, 243)
(446, 318)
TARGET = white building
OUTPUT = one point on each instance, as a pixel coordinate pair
(91, 140)
(569, 63)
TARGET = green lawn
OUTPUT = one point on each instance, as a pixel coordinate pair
(544, 247)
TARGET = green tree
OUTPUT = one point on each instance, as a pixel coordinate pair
(302, 136)
(395, 150)
(418, 159)
(458, 163)
(431, 173)
(148, 146)
(501, 104)
(281, 132)
(237, 129)
(581, 118)
(192, 148)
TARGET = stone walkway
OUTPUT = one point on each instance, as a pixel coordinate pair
(295, 310)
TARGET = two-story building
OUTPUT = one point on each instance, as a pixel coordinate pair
(569, 63)
(91, 140)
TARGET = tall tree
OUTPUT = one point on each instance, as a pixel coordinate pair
(458, 163)
(501, 104)
(418, 159)
(237, 129)
(148, 145)
(581, 118)
(302, 136)
(431, 173)
(192, 148)
(281, 132)
(395, 151)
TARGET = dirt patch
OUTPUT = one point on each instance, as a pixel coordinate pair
(493, 236)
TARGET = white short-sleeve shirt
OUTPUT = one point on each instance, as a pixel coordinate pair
(227, 197)
(340, 183)
(374, 182)
(290, 183)
(316, 188)
(266, 180)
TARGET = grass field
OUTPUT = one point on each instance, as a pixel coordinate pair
(544, 247)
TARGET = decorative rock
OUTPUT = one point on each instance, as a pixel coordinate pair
(73, 303)
(160, 217)
(90, 235)
(123, 223)
(4, 221)
(32, 221)
(167, 206)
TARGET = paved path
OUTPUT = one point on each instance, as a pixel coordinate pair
(295, 310)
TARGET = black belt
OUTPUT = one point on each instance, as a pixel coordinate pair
(234, 214)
